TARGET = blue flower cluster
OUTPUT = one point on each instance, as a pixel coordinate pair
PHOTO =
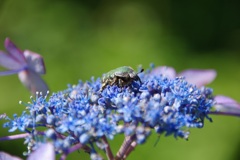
(82, 114)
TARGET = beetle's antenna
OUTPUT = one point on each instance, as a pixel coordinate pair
(141, 71)
(138, 77)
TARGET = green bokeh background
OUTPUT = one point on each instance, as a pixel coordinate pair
(81, 39)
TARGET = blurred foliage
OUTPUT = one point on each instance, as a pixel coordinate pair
(80, 39)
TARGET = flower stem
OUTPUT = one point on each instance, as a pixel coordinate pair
(74, 148)
(108, 148)
(125, 146)
(225, 113)
(130, 149)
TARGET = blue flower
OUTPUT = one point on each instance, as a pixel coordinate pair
(223, 105)
(21, 123)
(81, 115)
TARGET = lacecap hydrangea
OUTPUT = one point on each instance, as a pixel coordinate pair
(81, 114)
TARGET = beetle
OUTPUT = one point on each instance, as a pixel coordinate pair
(122, 76)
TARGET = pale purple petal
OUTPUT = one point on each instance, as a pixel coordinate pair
(6, 156)
(16, 53)
(44, 152)
(226, 104)
(199, 77)
(166, 71)
(10, 72)
(7, 61)
(33, 81)
(220, 99)
(35, 61)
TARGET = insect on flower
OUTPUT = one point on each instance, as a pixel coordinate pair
(122, 76)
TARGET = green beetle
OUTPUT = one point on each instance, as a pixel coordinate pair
(122, 76)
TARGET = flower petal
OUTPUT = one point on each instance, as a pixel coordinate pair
(169, 72)
(33, 81)
(10, 72)
(226, 104)
(220, 99)
(35, 61)
(45, 151)
(14, 51)
(199, 77)
(6, 156)
(7, 61)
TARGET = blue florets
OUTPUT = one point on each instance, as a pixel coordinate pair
(83, 114)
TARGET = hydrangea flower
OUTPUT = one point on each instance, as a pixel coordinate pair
(27, 64)
(81, 116)
(223, 104)
(45, 151)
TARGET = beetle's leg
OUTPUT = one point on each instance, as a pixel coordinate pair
(138, 79)
(104, 85)
(121, 82)
(113, 81)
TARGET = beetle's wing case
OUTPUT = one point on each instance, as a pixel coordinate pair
(123, 71)
(122, 74)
